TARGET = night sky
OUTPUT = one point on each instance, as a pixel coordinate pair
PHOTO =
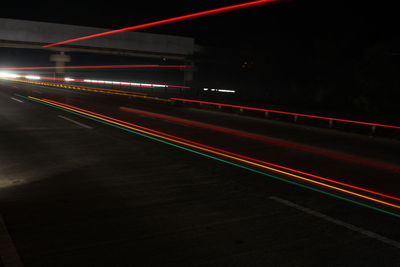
(332, 53)
(289, 20)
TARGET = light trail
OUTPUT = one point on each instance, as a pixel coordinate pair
(130, 84)
(97, 67)
(125, 128)
(90, 81)
(287, 113)
(157, 134)
(95, 90)
(83, 88)
(172, 20)
(227, 152)
(305, 148)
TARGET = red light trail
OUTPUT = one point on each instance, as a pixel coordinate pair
(97, 67)
(166, 139)
(171, 20)
(305, 148)
(238, 156)
(288, 113)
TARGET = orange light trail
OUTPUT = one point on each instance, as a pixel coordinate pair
(95, 90)
(174, 139)
(305, 148)
(104, 82)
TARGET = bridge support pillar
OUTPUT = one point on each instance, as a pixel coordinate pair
(60, 60)
(188, 73)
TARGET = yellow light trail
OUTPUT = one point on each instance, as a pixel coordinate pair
(94, 89)
(223, 155)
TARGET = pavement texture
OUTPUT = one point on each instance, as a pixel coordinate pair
(72, 195)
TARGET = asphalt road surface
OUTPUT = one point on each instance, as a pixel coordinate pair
(75, 192)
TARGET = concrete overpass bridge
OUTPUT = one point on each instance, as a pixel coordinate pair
(32, 35)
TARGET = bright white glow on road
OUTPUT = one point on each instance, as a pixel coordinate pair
(67, 79)
(125, 83)
(220, 90)
(9, 75)
(32, 77)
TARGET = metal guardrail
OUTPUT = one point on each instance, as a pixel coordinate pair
(295, 115)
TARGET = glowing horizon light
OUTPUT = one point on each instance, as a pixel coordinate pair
(77, 80)
(97, 67)
(32, 77)
(172, 20)
(9, 75)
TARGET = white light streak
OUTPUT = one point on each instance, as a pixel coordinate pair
(9, 75)
(226, 91)
(32, 77)
(220, 90)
